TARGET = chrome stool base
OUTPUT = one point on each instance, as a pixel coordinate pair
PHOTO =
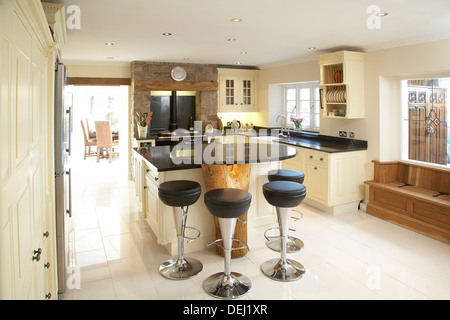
(292, 245)
(276, 269)
(221, 286)
(180, 269)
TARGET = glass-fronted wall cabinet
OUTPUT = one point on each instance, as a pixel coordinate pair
(237, 90)
(342, 84)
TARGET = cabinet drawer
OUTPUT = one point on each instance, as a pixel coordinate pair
(316, 157)
(152, 175)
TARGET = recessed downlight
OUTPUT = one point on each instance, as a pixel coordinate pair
(167, 34)
(382, 14)
(231, 39)
(244, 52)
(110, 58)
(109, 44)
(312, 48)
(236, 20)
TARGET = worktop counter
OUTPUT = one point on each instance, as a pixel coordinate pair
(191, 156)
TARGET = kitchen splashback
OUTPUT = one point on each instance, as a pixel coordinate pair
(206, 101)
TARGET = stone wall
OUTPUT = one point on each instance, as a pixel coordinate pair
(206, 101)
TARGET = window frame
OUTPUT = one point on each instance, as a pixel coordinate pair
(314, 102)
(405, 156)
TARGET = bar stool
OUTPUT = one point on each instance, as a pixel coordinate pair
(293, 244)
(284, 195)
(180, 194)
(227, 205)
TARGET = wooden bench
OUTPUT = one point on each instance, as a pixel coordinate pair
(412, 196)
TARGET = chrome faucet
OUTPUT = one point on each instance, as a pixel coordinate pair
(283, 126)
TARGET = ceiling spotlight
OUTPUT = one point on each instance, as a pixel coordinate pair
(231, 40)
(238, 63)
(244, 52)
(382, 14)
(167, 34)
(312, 48)
(236, 20)
(109, 44)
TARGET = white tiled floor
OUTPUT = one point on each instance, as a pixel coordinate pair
(349, 256)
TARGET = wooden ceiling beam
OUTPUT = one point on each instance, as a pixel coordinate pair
(175, 86)
(98, 81)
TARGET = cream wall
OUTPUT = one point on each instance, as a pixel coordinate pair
(384, 70)
(90, 71)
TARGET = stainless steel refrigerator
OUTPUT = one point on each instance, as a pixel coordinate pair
(63, 198)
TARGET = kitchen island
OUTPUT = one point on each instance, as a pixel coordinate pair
(333, 167)
(242, 165)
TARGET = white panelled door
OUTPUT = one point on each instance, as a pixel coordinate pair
(25, 52)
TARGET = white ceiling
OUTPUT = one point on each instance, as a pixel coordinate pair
(271, 31)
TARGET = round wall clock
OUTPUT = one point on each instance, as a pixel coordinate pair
(178, 74)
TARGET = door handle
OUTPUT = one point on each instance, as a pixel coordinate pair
(69, 173)
(37, 255)
(69, 149)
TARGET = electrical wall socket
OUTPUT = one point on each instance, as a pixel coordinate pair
(343, 134)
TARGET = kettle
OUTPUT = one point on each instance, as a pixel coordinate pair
(235, 124)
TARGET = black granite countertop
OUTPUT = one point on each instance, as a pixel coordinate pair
(191, 156)
(304, 139)
(325, 145)
(314, 141)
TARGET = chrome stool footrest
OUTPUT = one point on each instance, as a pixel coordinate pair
(295, 218)
(215, 242)
(293, 244)
(194, 238)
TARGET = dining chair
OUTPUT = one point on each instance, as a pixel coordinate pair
(104, 139)
(91, 134)
(88, 143)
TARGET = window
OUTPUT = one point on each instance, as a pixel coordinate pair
(303, 100)
(426, 130)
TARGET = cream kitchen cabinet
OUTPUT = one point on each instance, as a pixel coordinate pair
(237, 90)
(342, 84)
(333, 180)
(28, 269)
(316, 181)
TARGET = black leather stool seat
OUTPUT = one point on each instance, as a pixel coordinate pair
(284, 194)
(286, 175)
(227, 202)
(179, 193)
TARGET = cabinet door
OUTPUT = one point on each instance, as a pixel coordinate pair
(316, 182)
(247, 85)
(346, 178)
(228, 93)
(152, 206)
(237, 90)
